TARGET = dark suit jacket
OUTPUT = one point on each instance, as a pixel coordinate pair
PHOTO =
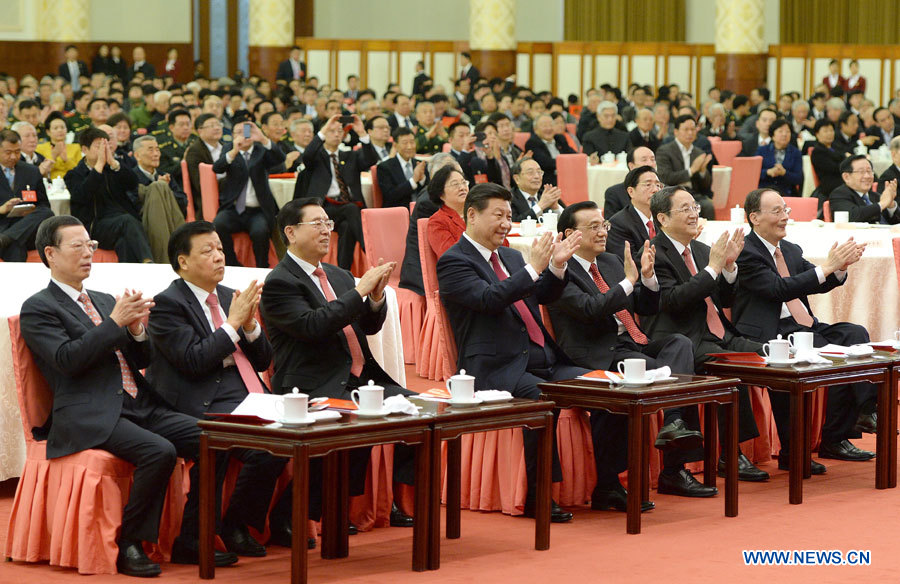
(490, 334)
(652, 142)
(519, 204)
(843, 145)
(237, 173)
(38, 158)
(79, 362)
(96, 195)
(827, 164)
(844, 198)
(626, 225)
(587, 122)
(306, 331)
(671, 171)
(788, 184)
(147, 69)
(682, 306)
(316, 178)
(541, 155)
(286, 72)
(761, 290)
(63, 70)
(892, 173)
(615, 199)
(472, 165)
(187, 366)
(473, 75)
(411, 269)
(396, 191)
(27, 176)
(583, 317)
(174, 185)
(602, 141)
(876, 131)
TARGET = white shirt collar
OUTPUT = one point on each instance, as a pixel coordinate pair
(771, 248)
(200, 293)
(679, 247)
(307, 267)
(583, 263)
(643, 217)
(70, 292)
(485, 252)
(683, 149)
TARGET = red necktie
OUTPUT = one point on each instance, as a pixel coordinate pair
(245, 368)
(651, 228)
(713, 322)
(623, 315)
(531, 325)
(128, 383)
(356, 353)
(798, 310)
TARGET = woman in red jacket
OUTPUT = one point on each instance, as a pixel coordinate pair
(448, 188)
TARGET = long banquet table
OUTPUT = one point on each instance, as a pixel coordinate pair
(24, 279)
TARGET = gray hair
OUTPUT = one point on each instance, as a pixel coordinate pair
(895, 143)
(19, 125)
(605, 105)
(139, 142)
(299, 122)
(798, 104)
(161, 94)
(717, 107)
(835, 103)
(440, 160)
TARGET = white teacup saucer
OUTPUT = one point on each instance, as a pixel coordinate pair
(297, 423)
(634, 382)
(379, 414)
(465, 403)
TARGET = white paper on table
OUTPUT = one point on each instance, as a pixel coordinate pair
(852, 350)
(811, 356)
(398, 404)
(263, 405)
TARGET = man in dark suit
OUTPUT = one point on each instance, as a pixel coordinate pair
(209, 347)
(339, 191)
(893, 171)
(634, 224)
(99, 187)
(206, 150)
(616, 197)
(594, 321)
(642, 135)
(245, 199)
(91, 348)
(772, 300)
(884, 129)
(140, 65)
(759, 137)
(492, 299)
(402, 177)
(607, 138)
(530, 197)
(696, 281)
(680, 163)
(826, 161)
(318, 317)
(73, 69)
(21, 184)
(588, 120)
(857, 197)
(292, 67)
(545, 146)
(468, 71)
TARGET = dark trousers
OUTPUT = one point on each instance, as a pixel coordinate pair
(611, 457)
(348, 224)
(252, 221)
(123, 233)
(542, 366)
(22, 230)
(844, 403)
(150, 436)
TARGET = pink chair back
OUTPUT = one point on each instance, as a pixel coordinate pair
(815, 176)
(714, 139)
(572, 178)
(726, 151)
(895, 242)
(209, 191)
(744, 178)
(377, 197)
(33, 393)
(826, 211)
(433, 299)
(802, 208)
(384, 231)
(520, 138)
(186, 185)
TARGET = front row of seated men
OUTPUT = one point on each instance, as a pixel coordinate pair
(203, 346)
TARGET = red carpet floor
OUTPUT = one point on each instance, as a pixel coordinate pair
(682, 540)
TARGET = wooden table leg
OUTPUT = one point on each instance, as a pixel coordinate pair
(797, 446)
(807, 433)
(434, 500)
(343, 500)
(330, 506)
(300, 514)
(645, 458)
(635, 467)
(730, 446)
(454, 484)
(887, 434)
(207, 494)
(422, 524)
(542, 497)
(710, 443)
(891, 428)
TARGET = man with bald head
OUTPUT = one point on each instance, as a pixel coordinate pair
(616, 198)
(545, 146)
(642, 134)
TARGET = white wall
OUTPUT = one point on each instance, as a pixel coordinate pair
(19, 21)
(700, 21)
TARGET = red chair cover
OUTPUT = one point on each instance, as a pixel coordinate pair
(571, 177)
(803, 208)
(186, 185)
(744, 178)
(726, 151)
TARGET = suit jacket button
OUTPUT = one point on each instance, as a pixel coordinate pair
(525, 352)
(522, 329)
(119, 392)
(343, 383)
(206, 403)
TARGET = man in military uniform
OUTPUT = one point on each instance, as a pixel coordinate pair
(173, 143)
(79, 119)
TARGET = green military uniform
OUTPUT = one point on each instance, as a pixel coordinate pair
(161, 130)
(426, 146)
(78, 122)
(140, 117)
(171, 153)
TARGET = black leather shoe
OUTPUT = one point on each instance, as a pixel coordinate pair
(867, 423)
(239, 541)
(399, 518)
(615, 499)
(676, 435)
(684, 484)
(351, 529)
(557, 513)
(189, 553)
(784, 463)
(280, 534)
(747, 471)
(132, 561)
(843, 450)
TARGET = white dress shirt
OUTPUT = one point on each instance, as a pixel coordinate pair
(486, 254)
(308, 269)
(74, 294)
(820, 274)
(334, 190)
(627, 286)
(730, 277)
(202, 295)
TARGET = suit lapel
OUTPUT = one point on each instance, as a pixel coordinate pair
(302, 278)
(481, 266)
(201, 324)
(757, 243)
(71, 306)
(674, 257)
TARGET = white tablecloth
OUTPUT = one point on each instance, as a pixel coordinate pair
(603, 176)
(870, 296)
(386, 346)
(283, 189)
(59, 202)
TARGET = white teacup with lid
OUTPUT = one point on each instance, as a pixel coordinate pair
(461, 387)
(369, 399)
(293, 406)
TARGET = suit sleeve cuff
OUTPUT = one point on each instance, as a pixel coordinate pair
(841, 275)
(531, 272)
(558, 272)
(229, 330)
(141, 337)
(650, 283)
(537, 210)
(254, 334)
(376, 305)
(730, 277)
(413, 183)
(711, 272)
(627, 286)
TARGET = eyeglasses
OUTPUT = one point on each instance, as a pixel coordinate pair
(864, 172)
(320, 224)
(649, 183)
(79, 246)
(777, 211)
(458, 184)
(687, 209)
(596, 227)
(532, 171)
(212, 126)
